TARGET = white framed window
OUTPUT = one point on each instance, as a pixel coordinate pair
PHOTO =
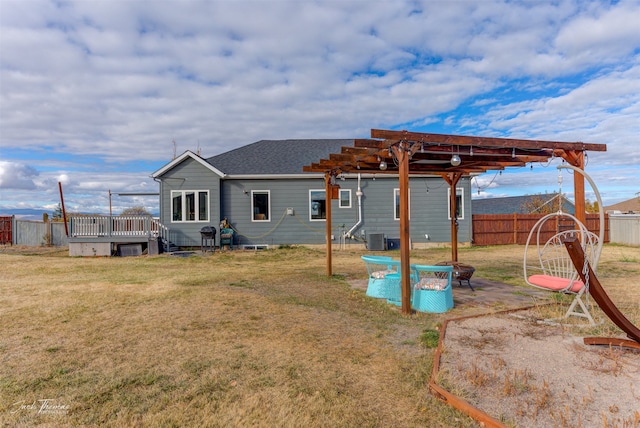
(459, 203)
(396, 204)
(317, 204)
(189, 206)
(345, 198)
(261, 205)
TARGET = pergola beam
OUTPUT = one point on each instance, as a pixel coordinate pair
(463, 140)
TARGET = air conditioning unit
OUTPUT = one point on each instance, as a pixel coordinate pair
(376, 242)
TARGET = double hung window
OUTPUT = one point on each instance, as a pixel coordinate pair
(317, 205)
(396, 202)
(345, 198)
(189, 205)
(260, 205)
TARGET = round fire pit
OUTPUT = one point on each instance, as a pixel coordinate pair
(461, 271)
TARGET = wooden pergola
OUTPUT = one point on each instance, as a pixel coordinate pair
(452, 157)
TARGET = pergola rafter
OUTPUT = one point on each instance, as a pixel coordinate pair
(405, 153)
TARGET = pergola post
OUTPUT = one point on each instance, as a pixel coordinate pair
(401, 153)
(452, 179)
(578, 190)
(328, 188)
(576, 158)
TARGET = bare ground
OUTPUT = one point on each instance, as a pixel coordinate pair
(525, 373)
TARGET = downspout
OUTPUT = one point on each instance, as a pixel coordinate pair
(357, 225)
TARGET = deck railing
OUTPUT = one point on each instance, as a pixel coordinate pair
(117, 226)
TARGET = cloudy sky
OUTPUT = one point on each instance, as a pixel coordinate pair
(94, 93)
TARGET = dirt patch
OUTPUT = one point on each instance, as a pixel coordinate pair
(524, 373)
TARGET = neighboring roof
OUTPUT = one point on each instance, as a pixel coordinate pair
(630, 206)
(186, 155)
(276, 157)
(513, 204)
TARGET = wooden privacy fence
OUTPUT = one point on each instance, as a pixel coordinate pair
(504, 229)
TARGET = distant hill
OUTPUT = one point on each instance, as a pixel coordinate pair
(35, 214)
(24, 213)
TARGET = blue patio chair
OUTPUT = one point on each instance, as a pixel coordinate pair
(431, 288)
(378, 267)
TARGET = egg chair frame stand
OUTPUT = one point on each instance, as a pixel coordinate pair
(557, 270)
(595, 289)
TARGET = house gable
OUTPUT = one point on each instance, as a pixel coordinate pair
(182, 158)
(189, 197)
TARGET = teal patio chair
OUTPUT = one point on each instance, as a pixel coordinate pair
(431, 288)
(378, 267)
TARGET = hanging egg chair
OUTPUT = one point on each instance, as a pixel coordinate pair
(547, 264)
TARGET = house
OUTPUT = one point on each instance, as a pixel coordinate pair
(520, 204)
(630, 206)
(263, 193)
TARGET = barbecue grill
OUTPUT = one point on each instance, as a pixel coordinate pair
(208, 238)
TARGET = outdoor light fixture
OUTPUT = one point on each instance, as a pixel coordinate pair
(513, 153)
(383, 165)
(455, 157)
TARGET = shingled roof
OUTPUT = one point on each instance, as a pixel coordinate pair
(513, 204)
(276, 157)
(628, 206)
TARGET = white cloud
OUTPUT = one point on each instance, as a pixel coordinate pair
(118, 81)
(17, 176)
(604, 34)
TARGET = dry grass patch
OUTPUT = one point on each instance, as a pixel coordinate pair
(246, 338)
(234, 339)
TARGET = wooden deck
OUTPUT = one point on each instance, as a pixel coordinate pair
(106, 235)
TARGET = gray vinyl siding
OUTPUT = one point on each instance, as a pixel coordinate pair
(189, 175)
(231, 198)
(282, 228)
(429, 202)
(428, 210)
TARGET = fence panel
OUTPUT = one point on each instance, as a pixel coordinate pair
(504, 229)
(33, 233)
(58, 234)
(625, 229)
(493, 229)
(30, 233)
(6, 232)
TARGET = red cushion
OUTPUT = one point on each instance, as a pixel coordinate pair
(555, 283)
